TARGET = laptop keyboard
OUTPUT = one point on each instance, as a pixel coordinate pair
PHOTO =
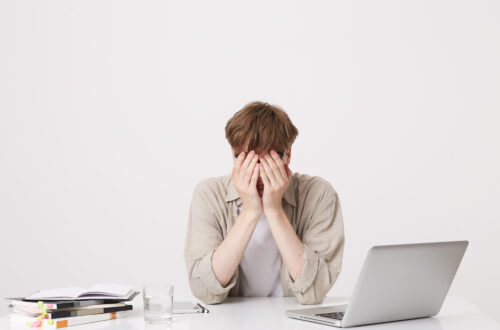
(333, 315)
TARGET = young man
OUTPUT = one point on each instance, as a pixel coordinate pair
(263, 231)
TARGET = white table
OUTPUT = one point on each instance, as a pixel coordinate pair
(268, 313)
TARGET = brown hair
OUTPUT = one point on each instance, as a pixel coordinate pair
(262, 126)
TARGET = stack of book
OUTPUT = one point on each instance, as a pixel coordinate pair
(59, 308)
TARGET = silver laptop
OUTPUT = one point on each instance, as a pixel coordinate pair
(397, 282)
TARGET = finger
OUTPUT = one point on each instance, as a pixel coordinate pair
(255, 176)
(268, 171)
(265, 178)
(276, 174)
(248, 159)
(238, 161)
(279, 163)
(250, 169)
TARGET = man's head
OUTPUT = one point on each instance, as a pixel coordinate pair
(261, 127)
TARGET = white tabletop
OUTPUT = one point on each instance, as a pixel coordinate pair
(268, 313)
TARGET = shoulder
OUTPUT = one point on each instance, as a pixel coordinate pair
(315, 187)
(213, 184)
(212, 189)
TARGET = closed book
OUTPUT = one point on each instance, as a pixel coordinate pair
(67, 322)
(56, 304)
(57, 314)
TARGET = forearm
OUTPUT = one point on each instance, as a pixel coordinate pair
(227, 256)
(289, 244)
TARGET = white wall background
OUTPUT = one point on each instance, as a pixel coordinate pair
(111, 112)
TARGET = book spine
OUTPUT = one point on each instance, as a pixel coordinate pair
(58, 304)
(86, 319)
(66, 322)
(65, 314)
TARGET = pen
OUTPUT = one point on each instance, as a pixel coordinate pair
(203, 309)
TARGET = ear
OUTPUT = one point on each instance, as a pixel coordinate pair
(288, 154)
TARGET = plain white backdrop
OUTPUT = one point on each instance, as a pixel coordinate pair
(112, 111)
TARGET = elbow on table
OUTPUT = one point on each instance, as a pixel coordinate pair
(211, 299)
(311, 296)
(204, 294)
(309, 300)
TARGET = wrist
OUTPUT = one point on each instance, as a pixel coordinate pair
(274, 212)
(251, 214)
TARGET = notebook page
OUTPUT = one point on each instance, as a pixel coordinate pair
(57, 293)
(108, 289)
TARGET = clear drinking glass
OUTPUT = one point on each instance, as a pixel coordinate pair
(158, 301)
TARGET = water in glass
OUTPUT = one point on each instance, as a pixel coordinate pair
(158, 304)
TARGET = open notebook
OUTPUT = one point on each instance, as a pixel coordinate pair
(108, 291)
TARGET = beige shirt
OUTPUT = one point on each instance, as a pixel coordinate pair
(260, 266)
(313, 208)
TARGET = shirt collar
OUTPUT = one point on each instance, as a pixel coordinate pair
(232, 193)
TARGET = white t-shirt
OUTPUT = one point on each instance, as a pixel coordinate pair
(260, 265)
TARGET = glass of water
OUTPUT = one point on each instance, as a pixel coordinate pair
(158, 300)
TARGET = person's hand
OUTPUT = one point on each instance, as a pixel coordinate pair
(244, 177)
(276, 178)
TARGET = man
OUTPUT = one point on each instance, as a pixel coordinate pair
(263, 231)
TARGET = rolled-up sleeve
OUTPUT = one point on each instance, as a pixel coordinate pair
(203, 236)
(323, 239)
